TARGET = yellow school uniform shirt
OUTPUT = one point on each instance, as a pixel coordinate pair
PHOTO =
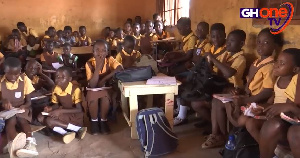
(113, 64)
(290, 90)
(35, 79)
(215, 52)
(263, 77)
(76, 96)
(116, 41)
(280, 96)
(1, 56)
(189, 42)
(163, 35)
(28, 87)
(119, 56)
(30, 31)
(237, 61)
(88, 38)
(204, 45)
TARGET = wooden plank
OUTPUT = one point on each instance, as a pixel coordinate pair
(169, 107)
(133, 112)
(76, 50)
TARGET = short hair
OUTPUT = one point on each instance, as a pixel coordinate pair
(59, 31)
(51, 28)
(66, 69)
(138, 16)
(295, 52)
(82, 27)
(127, 23)
(240, 33)
(137, 24)
(20, 24)
(184, 21)
(155, 15)
(107, 27)
(100, 41)
(158, 21)
(204, 24)
(278, 38)
(68, 28)
(148, 21)
(31, 61)
(130, 39)
(119, 29)
(15, 31)
(31, 36)
(12, 62)
(217, 26)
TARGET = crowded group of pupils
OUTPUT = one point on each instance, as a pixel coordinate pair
(271, 81)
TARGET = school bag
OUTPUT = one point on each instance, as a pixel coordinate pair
(147, 60)
(245, 145)
(135, 74)
(154, 132)
(202, 83)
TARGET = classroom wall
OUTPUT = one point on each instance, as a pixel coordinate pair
(94, 14)
(227, 12)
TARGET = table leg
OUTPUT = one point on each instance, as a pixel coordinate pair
(133, 105)
(124, 105)
(149, 101)
(169, 107)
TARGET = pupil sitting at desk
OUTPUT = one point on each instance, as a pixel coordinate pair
(137, 35)
(99, 70)
(84, 40)
(67, 58)
(117, 42)
(128, 55)
(146, 47)
(49, 56)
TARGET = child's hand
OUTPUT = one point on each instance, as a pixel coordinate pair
(23, 107)
(239, 100)
(99, 61)
(257, 111)
(40, 68)
(6, 105)
(47, 108)
(208, 55)
(276, 109)
(55, 113)
(101, 83)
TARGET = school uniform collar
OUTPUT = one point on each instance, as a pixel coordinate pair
(68, 90)
(138, 36)
(127, 54)
(50, 54)
(202, 43)
(236, 54)
(83, 38)
(268, 59)
(213, 51)
(162, 35)
(185, 38)
(4, 78)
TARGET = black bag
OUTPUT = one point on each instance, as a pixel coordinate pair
(246, 146)
(155, 134)
(202, 83)
(135, 74)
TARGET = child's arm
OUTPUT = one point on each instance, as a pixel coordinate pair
(107, 77)
(49, 81)
(93, 82)
(27, 103)
(226, 70)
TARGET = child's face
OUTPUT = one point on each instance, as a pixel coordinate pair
(183, 30)
(62, 78)
(234, 43)
(68, 33)
(127, 27)
(50, 46)
(284, 65)
(52, 32)
(136, 29)
(75, 34)
(107, 31)
(15, 35)
(120, 34)
(218, 38)
(59, 33)
(201, 31)
(82, 31)
(31, 41)
(111, 34)
(143, 27)
(67, 49)
(158, 18)
(32, 69)
(265, 44)
(159, 27)
(12, 74)
(137, 20)
(128, 47)
(149, 27)
(100, 50)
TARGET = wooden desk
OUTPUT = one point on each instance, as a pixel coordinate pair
(76, 50)
(133, 89)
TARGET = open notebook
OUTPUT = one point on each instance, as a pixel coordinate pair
(225, 98)
(290, 120)
(97, 89)
(6, 114)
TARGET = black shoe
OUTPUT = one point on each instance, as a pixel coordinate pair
(104, 127)
(94, 128)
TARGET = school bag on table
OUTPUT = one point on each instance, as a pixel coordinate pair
(135, 74)
(154, 132)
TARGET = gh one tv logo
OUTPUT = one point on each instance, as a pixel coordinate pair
(272, 14)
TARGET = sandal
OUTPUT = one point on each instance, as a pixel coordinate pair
(213, 141)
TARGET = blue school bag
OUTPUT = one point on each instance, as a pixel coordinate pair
(154, 132)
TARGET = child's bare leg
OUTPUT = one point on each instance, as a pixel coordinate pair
(242, 120)
(294, 139)
(203, 108)
(51, 123)
(271, 133)
(10, 128)
(41, 118)
(25, 126)
(214, 121)
(254, 126)
(221, 116)
(104, 108)
(93, 109)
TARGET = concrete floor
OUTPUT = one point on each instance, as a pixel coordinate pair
(120, 145)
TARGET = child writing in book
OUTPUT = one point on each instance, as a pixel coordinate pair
(128, 55)
(15, 90)
(84, 40)
(16, 43)
(99, 70)
(66, 111)
(49, 56)
(259, 88)
(284, 69)
(67, 58)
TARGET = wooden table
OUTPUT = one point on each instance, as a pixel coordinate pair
(132, 89)
(76, 50)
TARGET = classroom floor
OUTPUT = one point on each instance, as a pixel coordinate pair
(120, 145)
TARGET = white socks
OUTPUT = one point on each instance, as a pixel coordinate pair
(94, 120)
(60, 130)
(182, 112)
(73, 127)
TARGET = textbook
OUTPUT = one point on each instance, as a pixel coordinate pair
(290, 120)
(6, 114)
(225, 98)
(97, 89)
(161, 80)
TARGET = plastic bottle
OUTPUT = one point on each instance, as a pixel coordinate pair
(230, 145)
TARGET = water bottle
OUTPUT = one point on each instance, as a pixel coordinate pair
(230, 145)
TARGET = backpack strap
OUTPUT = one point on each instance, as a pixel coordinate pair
(252, 75)
(297, 99)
